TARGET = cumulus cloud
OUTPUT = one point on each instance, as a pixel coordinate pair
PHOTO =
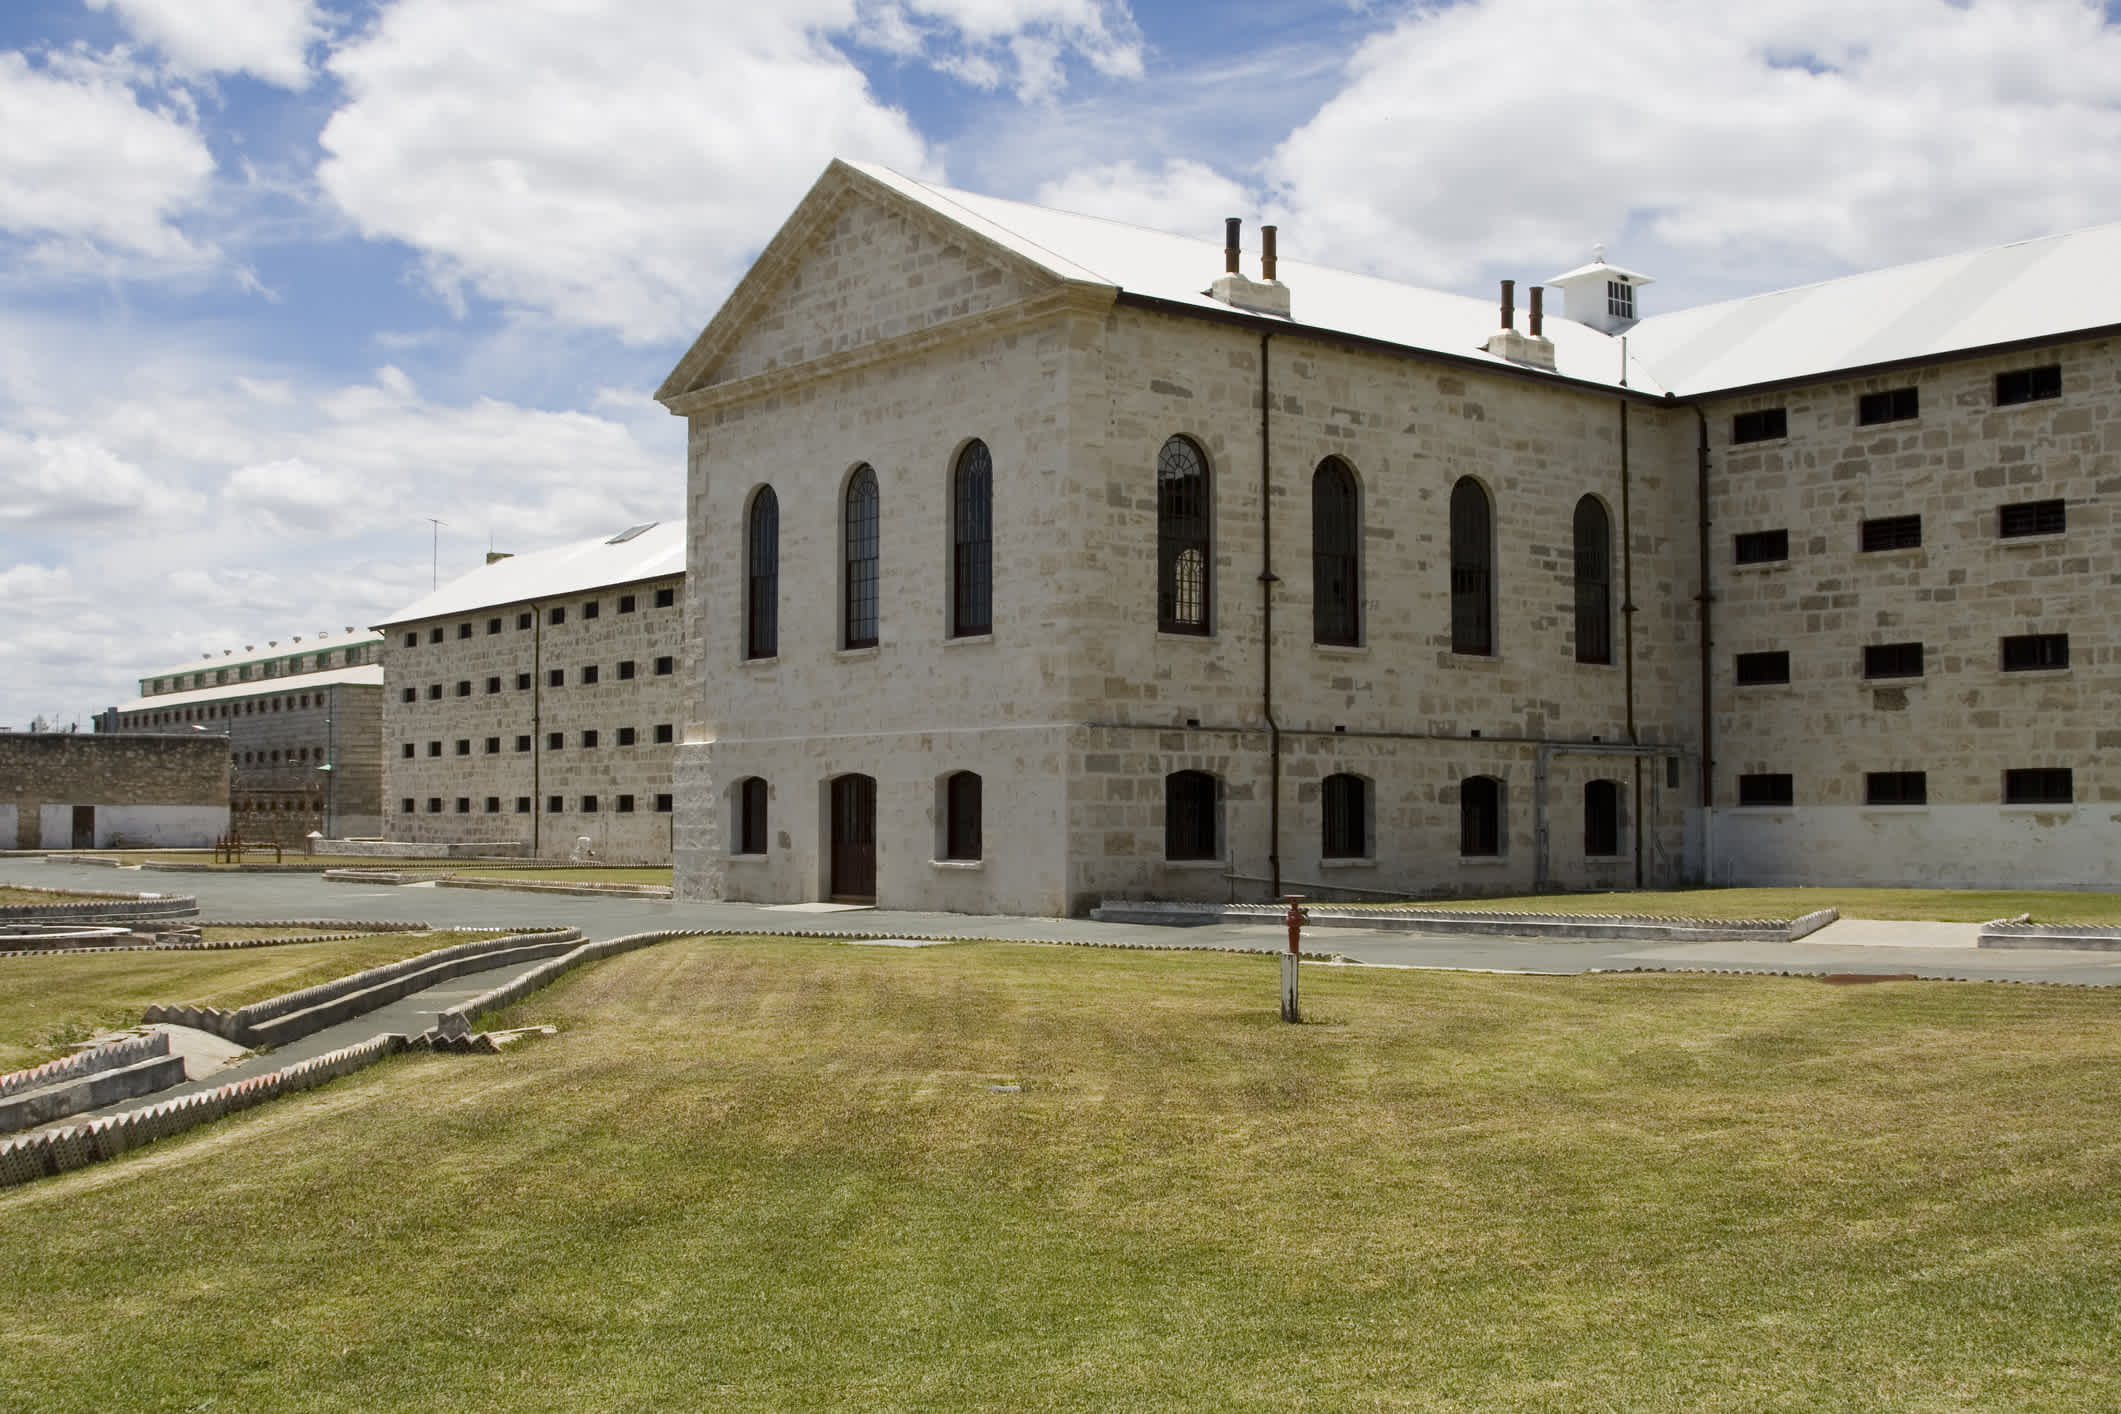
(1519, 132)
(76, 485)
(615, 165)
(87, 169)
(1182, 196)
(267, 39)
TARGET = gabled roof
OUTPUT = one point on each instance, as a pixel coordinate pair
(364, 675)
(322, 643)
(620, 558)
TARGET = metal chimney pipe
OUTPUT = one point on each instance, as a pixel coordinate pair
(1230, 229)
(1266, 252)
(1539, 313)
(1509, 304)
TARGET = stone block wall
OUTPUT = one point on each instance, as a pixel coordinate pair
(144, 789)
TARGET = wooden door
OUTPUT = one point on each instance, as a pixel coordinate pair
(84, 827)
(854, 839)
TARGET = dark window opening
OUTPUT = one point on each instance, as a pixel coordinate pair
(494, 626)
(2039, 786)
(434, 635)
(523, 621)
(751, 816)
(664, 598)
(1601, 819)
(1892, 533)
(1767, 789)
(1758, 669)
(1336, 554)
(589, 739)
(493, 805)
(1759, 547)
(554, 804)
(555, 741)
(2035, 652)
(522, 805)
(405, 805)
(664, 667)
(665, 733)
(555, 677)
(626, 670)
(1472, 574)
(464, 746)
(626, 736)
(2029, 385)
(624, 805)
(590, 609)
(523, 743)
(1896, 788)
(972, 543)
(464, 631)
(1344, 817)
(522, 682)
(858, 561)
(663, 803)
(962, 799)
(1182, 523)
(1761, 425)
(1892, 660)
(762, 576)
(1480, 817)
(556, 616)
(589, 675)
(2032, 518)
(1190, 816)
(627, 603)
(463, 805)
(1894, 405)
(1594, 582)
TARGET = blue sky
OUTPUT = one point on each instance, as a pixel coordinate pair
(281, 279)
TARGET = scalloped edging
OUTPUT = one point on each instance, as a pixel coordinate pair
(98, 903)
(113, 1055)
(1582, 926)
(2081, 937)
(576, 887)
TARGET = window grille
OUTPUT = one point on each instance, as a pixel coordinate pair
(1479, 817)
(1892, 660)
(1344, 817)
(858, 547)
(2039, 786)
(1182, 507)
(1472, 576)
(972, 543)
(1336, 549)
(1891, 533)
(2035, 652)
(762, 576)
(2029, 385)
(1594, 583)
(2032, 518)
(1190, 810)
(1894, 405)
(1896, 788)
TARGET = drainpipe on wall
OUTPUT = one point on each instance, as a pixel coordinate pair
(1267, 580)
(1627, 628)
(1703, 600)
(537, 734)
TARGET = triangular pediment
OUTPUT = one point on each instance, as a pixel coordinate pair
(858, 263)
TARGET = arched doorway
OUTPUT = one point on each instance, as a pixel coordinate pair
(854, 839)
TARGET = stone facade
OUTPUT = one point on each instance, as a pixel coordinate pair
(68, 790)
(889, 333)
(539, 722)
(286, 715)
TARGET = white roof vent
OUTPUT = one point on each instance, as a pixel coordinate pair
(1601, 295)
(1265, 295)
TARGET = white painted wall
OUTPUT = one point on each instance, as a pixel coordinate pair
(1938, 846)
(156, 826)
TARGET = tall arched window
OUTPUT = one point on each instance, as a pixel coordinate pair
(1479, 816)
(963, 794)
(1182, 506)
(1472, 570)
(1191, 813)
(1336, 545)
(762, 576)
(858, 561)
(972, 543)
(1344, 817)
(1594, 583)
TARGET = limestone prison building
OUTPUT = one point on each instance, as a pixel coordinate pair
(1036, 559)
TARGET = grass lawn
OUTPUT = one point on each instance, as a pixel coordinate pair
(47, 1003)
(774, 1175)
(12, 896)
(1933, 905)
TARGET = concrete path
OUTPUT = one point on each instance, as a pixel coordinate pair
(1851, 945)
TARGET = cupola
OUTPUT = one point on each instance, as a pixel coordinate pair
(1601, 295)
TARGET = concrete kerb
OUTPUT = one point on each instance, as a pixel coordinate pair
(353, 929)
(1583, 927)
(110, 1056)
(98, 904)
(2090, 937)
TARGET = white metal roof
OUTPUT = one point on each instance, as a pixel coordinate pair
(321, 643)
(367, 674)
(654, 553)
(2032, 289)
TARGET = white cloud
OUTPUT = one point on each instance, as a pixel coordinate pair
(1778, 137)
(79, 486)
(86, 171)
(615, 165)
(1187, 197)
(268, 39)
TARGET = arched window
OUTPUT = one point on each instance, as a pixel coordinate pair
(858, 561)
(762, 576)
(750, 816)
(962, 801)
(1344, 802)
(1336, 545)
(1182, 504)
(972, 543)
(1594, 583)
(1601, 818)
(1190, 816)
(1472, 570)
(1479, 816)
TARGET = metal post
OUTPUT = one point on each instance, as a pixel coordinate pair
(1290, 1010)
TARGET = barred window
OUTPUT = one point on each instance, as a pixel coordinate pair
(2029, 385)
(1892, 660)
(1336, 554)
(1479, 817)
(1894, 405)
(858, 561)
(1472, 570)
(1763, 425)
(2032, 518)
(1594, 582)
(1344, 817)
(2039, 786)
(1896, 788)
(1182, 521)
(972, 543)
(2035, 652)
(1759, 547)
(1892, 533)
(762, 576)
(1767, 788)
(1190, 816)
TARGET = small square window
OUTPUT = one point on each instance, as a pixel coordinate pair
(554, 804)
(412, 640)
(523, 743)
(434, 748)
(2035, 652)
(2043, 786)
(434, 805)
(523, 621)
(625, 670)
(589, 805)
(434, 635)
(464, 746)
(556, 677)
(589, 675)
(434, 692)
(493, 685)
(555, 741)
(625, 805)
(1775, 789)
(627, 603)
(405, 806)
(626, 736)
(1891, 533)
(522, 682)
(493, 746)
(2032, 518)
(664, 598)
(1619, 299)
(662, 804)
(1896, 788)
(406, 751)
(494, 626)
(557, 616)
(2029, 385)
(522, 805)
(464, 631)
(493, 805)
(589, 739)
(410, 694)
(463, 805)
(1894, 405)
(589, 610)
(464, 688)
(1762, 425)
(1759, 547)
(1892, 660)
(664, 733)
(664, 667)
(1759, 669)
